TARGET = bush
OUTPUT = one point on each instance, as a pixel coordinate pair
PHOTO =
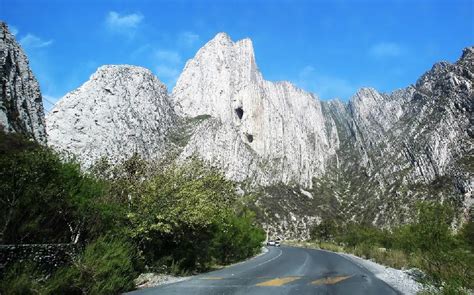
(21, 278)
(325, 231)
(185, 215)
(431, 230)
(43, 199)
(354, 234)
(105, 267)
(237, 238)
(466, 235)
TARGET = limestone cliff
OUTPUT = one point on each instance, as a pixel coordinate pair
(21, 103)
(263, 131)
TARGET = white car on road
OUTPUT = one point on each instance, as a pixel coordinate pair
(273, 243)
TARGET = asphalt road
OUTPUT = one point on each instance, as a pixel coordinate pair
(283, 270)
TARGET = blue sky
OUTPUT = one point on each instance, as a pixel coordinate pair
(330, 48)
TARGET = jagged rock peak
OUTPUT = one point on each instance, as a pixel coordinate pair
(365, 93)
(223, 48)
(223, 39)
(450, 75)
(21, 103)
(120, 111)
(364, 101)
(468, 54)
(123, 70)
(219, 70)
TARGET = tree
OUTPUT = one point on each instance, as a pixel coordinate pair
(326, 230)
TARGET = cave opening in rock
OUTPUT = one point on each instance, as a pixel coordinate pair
(249, 137)
(240, 112)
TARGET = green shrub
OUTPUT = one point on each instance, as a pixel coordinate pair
(187, 214)
(44, 200)
(105, 267)
(324, 231)
(354, 234)
(431, 230)
(466, 234)
(21, 278)
(237, 238)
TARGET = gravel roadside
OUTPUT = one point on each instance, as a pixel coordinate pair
(401, 280)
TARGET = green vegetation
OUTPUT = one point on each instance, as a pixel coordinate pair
(44, 200)
(126, 218)
(428, 243)
(105, 267)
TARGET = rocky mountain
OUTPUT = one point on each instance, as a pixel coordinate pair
(368, 160)
(21, 103)
(120, 111)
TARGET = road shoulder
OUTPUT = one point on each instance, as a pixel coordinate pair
(150, 280)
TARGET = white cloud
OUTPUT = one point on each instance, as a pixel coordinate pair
(13, 30)
(32, 41)
(126, 23)
(385, 49)
(168, 56)
(325, 86)
(188, 38)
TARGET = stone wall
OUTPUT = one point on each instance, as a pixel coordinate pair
(47, 256)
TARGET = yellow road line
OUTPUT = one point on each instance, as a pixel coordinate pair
(211, 278)
(277, 282)
(330, 280)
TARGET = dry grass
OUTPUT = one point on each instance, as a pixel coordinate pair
(393, 258)
(315, 245)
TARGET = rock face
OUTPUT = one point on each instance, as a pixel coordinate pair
(21, 103)
(120, 111)
(263, 131)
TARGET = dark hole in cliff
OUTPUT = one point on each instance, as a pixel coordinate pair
(249, 137)
(240, 112)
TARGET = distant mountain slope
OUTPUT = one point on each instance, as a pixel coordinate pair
(413, 144)
(394, 150)
(21, 103)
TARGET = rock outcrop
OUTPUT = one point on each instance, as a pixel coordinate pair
(120, 111)
(21, 103)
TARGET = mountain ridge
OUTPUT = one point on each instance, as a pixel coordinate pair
(370, 159)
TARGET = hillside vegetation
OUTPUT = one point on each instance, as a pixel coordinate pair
(124, 219)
